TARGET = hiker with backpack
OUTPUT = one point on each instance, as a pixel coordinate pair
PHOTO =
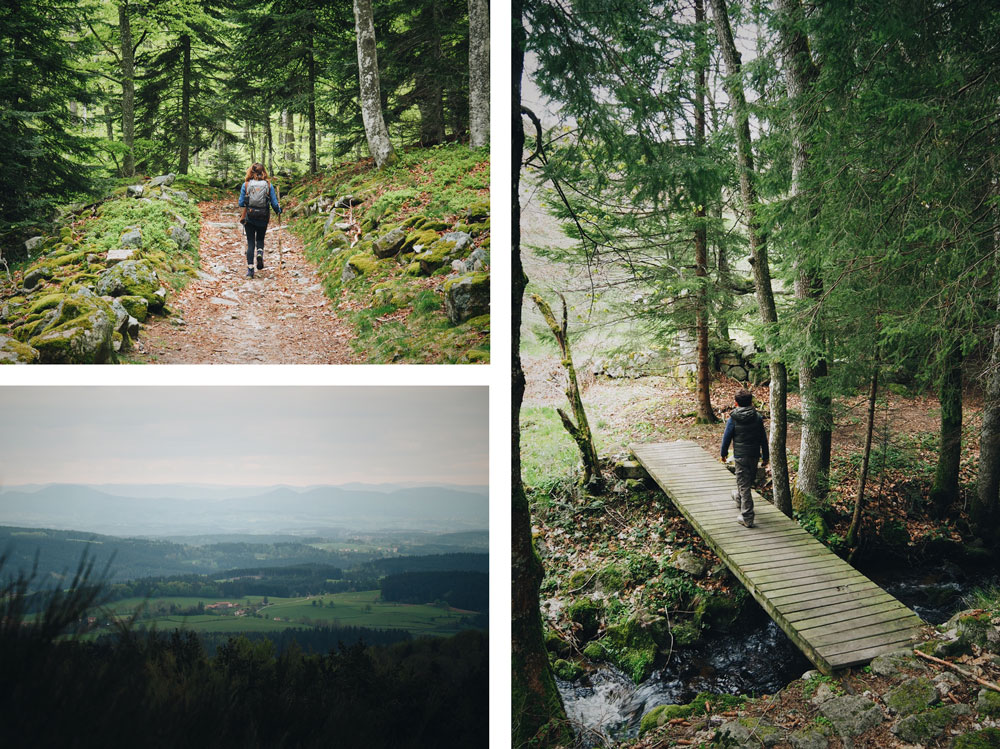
(257, 197)
(745, 431)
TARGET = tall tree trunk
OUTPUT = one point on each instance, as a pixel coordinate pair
(705, 414)
(814, 448)
(311, 90)
(379, 145)
(288, 139)
(270, 144)
(852, 531)
(185, 134)
(537, 712)
(758, 251)
(945, 489)
(128, 88)
(985, 509)
(479, 73)
(108, 120)
(431, 101)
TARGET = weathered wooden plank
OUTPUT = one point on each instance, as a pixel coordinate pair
(830, 610)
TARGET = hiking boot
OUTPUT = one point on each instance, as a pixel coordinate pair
(250, 271)
(744, 522)
(260, 260)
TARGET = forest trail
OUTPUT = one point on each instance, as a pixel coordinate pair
(281, 316)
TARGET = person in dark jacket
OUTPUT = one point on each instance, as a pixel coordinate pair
(745, 431)
(257, 196)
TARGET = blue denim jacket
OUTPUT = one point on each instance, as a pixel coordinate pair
(274, 203)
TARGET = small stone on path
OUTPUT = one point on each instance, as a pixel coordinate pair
(228, 302)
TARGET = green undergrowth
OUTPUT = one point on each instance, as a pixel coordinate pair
(397, 304)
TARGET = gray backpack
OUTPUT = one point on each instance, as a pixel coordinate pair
(258, 199)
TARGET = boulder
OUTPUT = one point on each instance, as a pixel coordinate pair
(851, 714)
(359, 265)
(134, 191)
(988, 703)
(179, 195)
(183, 221)
(132, 237)
(33, 276)
(815, 736)
(121, 315)
(466, 297)
(389, 244)
(33, 244)
(133, 278)
(132, 328)
(336, 240)
(117, 256)
(78, 331)
(924, 727)
(747, 733)
(477, 212)
(136, 306)
(737, 373)
(180, 236)
(159, 300)
(686, 561)
(911, 696)
(12, 351)
(891, 664)
(163, 180)
(347, 201)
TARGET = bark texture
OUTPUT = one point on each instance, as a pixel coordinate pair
(945, 489)
(852, 531)
(376, 132)
(311, 91)
(128, 89)
(479, 73)
(758, 252)
(814, 448)
(185, 134)
(537, 714)
(985, 509)
(579, 431)
(705, 414)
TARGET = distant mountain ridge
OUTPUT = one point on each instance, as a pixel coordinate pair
(281, 509)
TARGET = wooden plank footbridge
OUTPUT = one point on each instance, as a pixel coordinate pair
(833, 613)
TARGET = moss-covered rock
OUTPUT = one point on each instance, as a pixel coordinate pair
(451, 246)
(580, 580)
(12, 351)
(567, 670)
(661, 715)
(336, 240)
(631, 647)
(131, 278)
(988, 738)
(911, 696)
(467, 296)
(77, 331)
(361, 264)
(416, 241)
(813, 736)
(136, 306)
(36, 275)
(477, 212)
(988, 703)
(611, 578)
(718, 612)
(557, 645)
(389, 244)
(923, 727)
(587, 613)
(748, 732)
(686, 634)
(977, 628)
(892, 664)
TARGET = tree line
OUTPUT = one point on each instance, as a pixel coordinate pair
(120, 87)
(462, 590)
(836, 193)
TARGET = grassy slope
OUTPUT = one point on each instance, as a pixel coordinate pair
(407, 322)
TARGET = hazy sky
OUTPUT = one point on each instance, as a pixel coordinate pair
(243, 436)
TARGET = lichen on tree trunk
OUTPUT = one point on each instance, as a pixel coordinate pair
(479, 73)
(579, 431)
(376, 132)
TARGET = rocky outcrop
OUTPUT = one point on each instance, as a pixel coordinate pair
(466, 297)
(133, 278)
(76, 330)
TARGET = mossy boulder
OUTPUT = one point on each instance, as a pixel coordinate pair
(131, 278)
(924, 727)
(911, 696)
(988, 738)
(977, 628)
(586, 613)
(749, 732)
(631, 647)
(567, 670)
(988, 703)
(852, 714)
(814, 736)
(718, 612)
(37, 274)
(12, 351)
(580, 580)
(77, 331)
(611, 578)
(557, 645)
(477, 212)
(361, 264)
(467, 296)
(389, 244)
(661, 715)
(432, 224)
(336, 241)
(686, 634)
(689, 562)
(595, 651)
(451, 246)
(136, 306)
(891, 664)
(416, 241)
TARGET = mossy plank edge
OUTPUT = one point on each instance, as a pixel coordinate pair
(769, 575)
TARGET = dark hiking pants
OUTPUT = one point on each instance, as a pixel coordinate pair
(745, 475)
(255, 240)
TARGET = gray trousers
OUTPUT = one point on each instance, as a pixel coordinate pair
(746, 473)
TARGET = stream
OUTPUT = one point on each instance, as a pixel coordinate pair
(605, 705)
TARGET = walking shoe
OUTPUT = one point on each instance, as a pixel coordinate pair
(249, 271)
(260, 260)
(745, 523)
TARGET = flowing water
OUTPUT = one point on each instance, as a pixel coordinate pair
(605, 704)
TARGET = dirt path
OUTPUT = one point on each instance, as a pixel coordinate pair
(281, 316)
